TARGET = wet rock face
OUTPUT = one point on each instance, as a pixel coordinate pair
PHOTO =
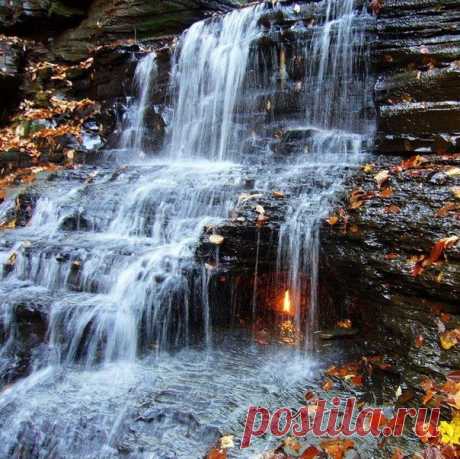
(23, 326)
(417, 59)
(371, 256)
(109, 21)
(375, 256)
(40, 17)
(10, 67)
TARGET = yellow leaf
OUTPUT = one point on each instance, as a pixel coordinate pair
(216, 239)
(368, 168)
(227, 442)
(453, 171)
(448, 340)
(455, 191)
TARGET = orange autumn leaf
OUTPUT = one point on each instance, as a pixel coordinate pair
(386, 192)
(397, 454)
(327, 385)
(337, 448)
(332, 220)
(358, 197)
(344, 323)
(428, 396)
(357, 380)
(392, 209)
(292, 443)
(445, 209)
(412, 162)
(437, 251)
(311, 452)
(453, 400)
(427, 384)
(445, 317)
(440, 246)
(217, 453)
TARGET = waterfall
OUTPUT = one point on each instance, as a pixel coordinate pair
(104, 282)
(208, 73)
(135, 132)
(336, 126)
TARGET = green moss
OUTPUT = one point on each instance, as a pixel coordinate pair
(57, 8)
(162, 24)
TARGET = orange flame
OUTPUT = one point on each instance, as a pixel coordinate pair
(287, 302)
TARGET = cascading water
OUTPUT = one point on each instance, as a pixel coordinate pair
(208, 75)
(336, 92)
(107, 262)
(133, 138)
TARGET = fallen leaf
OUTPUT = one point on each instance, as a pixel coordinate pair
(357, 380)
(386, 193)
(216, 239)
(327, 385)
(217, 453)
(419, 340)
(292, 443)
(453, 400)
(344, 323)
(376, 6)
(332, 220)
(392, 209)
(337, 448)
(453, 171)
(278, 194)
(449, 339)
(455, 191)
(397, 454)
(411, 163)
(244, 197)
(261, 219)
(440, 246)
(445, 209)
(311, 452)
(358, 197)
(382, 177)
(368, 168)
(445, 317)
(227, 442)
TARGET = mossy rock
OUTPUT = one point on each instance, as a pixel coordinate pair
(58, 8)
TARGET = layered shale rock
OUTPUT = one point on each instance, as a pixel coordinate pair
(376, 257)
(417, 60)
(108, 21)
(40, 17)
